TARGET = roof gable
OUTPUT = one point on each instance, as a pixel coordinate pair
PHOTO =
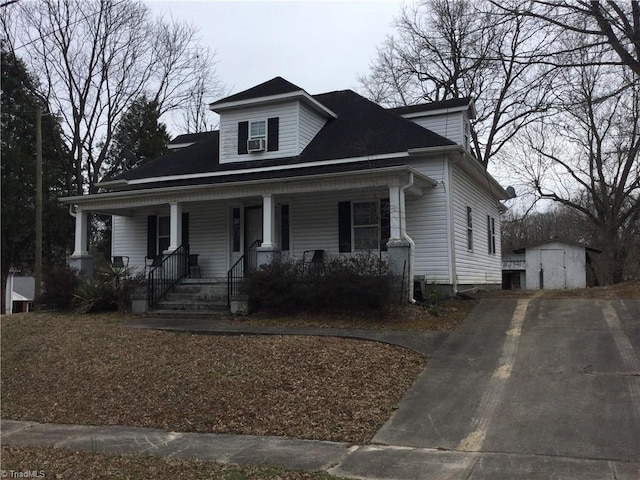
(270, 88)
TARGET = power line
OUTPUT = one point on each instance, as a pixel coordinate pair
(45, 35)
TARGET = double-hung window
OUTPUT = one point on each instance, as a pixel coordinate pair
(164, 234)
(366, 226)
(363, 225)
(257, 129)
(491, 234)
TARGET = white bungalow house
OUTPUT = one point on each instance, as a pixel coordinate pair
(290, 172)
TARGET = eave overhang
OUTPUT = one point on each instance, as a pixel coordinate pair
(357, 179)
(298, 95)
(462, 157)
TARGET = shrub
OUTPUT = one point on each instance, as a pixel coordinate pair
(59, 285)
(110, 290)
(344, 283)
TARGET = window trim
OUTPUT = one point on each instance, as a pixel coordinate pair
(491, 234)
(161, 237)
(469, 228)
(266, 129)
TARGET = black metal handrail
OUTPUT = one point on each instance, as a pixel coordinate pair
(236, 275)
(163, 277)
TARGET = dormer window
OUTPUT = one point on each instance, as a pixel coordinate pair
(258, 135)
(257, 129)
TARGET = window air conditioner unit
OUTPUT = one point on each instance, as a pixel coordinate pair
(256, 145)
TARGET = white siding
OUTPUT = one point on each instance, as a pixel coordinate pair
(476, 266)
(427, 225)
(129, 238)
(448, 125)
(310, 125)
(288, 131)
(208, 236)
(314, 219)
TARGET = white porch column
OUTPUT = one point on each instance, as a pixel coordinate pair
(176, 226)
(80, 259)
(82, 220)
(268, 222)
(395, 212)
(399, 245)
(269, 248)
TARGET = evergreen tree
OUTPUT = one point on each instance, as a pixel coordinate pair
(18, 150)
(138, 138)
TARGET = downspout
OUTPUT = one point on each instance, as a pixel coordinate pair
(407, 238)
(450, 220)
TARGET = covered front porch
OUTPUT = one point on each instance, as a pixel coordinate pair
(345, 214)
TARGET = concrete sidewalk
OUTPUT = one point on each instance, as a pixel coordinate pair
(524, 389)
(352, 461)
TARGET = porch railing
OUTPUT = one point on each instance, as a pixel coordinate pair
(237, 274)
(169, 272)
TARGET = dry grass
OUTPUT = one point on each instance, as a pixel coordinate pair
(66, 464)
(91, 370)
(625, 290)
(445, 317)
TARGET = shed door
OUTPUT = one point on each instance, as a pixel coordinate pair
(553, 269)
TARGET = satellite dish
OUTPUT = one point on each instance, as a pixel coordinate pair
(129, 155)
(511, 191)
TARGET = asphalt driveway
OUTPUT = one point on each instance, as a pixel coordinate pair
(527, 387)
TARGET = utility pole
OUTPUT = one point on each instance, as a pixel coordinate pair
(38, 266)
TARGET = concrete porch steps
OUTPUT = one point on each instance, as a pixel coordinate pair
(194, 298)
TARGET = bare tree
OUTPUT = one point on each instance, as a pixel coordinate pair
(586, 155)
(94, 59)
(614, 23)
(452, 49)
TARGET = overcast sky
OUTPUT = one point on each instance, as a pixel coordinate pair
(320, 46)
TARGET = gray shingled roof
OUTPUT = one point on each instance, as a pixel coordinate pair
(275, 86)
(362, 128)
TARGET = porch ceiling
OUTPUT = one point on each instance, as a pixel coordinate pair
(120, 203)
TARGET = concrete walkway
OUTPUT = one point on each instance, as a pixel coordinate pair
(422, 342)
(527, 389)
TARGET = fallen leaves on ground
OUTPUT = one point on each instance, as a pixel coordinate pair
(91, 370)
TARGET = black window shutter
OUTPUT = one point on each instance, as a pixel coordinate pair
(284, 227)
(243, 136)
(344, 226)
(385, 223)
(185, 230)
(152, 236)
(273, 129)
